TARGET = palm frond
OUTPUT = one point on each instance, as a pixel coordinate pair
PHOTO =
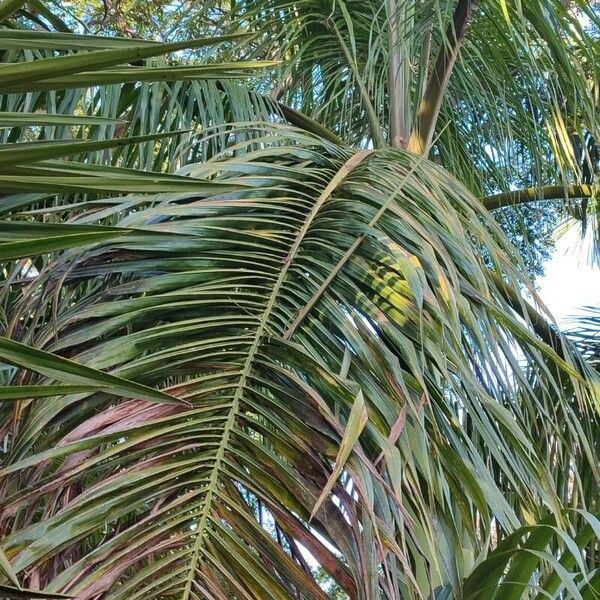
(238, 355)
(229, 303)
(586, 334)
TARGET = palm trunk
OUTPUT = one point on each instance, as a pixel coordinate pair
(429, 110)
(397, 81)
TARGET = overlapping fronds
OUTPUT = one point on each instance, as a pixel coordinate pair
(503, 94)
(330, 313)
(120, 101)
(525, 83)
(520, 107)
(521, 90)
(235, 357)
(119, 108)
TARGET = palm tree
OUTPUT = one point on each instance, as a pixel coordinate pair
(262, 337)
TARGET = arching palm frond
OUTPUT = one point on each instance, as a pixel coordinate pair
(116, 107)
(332, 313)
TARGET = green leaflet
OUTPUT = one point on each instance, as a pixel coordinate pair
(10, 393)
(40, 245)
(45, 68)
(109, 183)
(14, 154)
(82, 79)
(7, 569)
(26, 38)
(23, 239)
(356, 423)
(71, 372)
(18, 119)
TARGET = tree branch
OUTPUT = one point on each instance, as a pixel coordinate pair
(429, 110)
(549, 192)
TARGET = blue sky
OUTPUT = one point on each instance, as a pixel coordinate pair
(570, 282)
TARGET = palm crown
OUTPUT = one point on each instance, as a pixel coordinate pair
(253, 333)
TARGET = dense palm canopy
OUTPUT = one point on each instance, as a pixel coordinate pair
(261, 335)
